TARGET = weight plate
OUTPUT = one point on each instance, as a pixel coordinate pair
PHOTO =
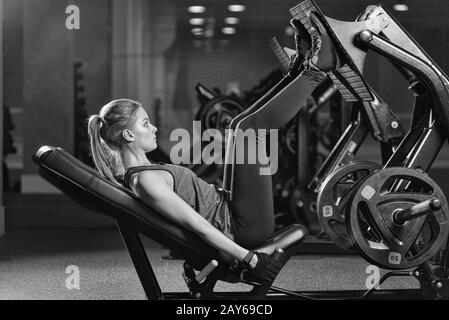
(302, 208)
(218, 113)
(378, 237)
(334, 199)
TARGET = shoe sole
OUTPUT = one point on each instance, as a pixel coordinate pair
(348, 78)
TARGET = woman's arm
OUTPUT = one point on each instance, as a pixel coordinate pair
(152, 188)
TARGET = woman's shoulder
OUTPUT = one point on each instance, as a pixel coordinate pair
(134, 173)
(167, 173)
(175, 169)
(147, 175)
(147, 180)
(131, 174)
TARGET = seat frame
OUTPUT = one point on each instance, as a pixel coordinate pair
(153, 290)
(53, 161)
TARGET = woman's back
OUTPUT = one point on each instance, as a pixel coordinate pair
(204, 198)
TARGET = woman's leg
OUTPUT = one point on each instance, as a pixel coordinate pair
(250, 192)
(251, 200)
(229, 153)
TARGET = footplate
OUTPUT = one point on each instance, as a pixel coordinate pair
(347, 78)
(199, 285)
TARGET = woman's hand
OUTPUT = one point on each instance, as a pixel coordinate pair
(266, 268)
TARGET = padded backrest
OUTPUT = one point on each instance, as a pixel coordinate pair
(84, 185)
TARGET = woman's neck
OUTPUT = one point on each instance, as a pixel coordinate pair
(134, 159)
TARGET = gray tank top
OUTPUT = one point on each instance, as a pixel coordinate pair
(206, 199)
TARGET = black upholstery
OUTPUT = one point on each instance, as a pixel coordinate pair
(85, 186)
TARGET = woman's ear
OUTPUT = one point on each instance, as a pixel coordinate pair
(128, 135)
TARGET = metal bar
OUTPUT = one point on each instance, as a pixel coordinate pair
(384, 124)
(384, 278)
(427, 149)
(386, 151)
(397, 34)
(141, 263)
(205, 92)
(303, 158)
(393, 294)
(416, 211)
(431, 76)
(279, 290)
(406, 146)
(445, 257)
(323, 92)
(342, 152)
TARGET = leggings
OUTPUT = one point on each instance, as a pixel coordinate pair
(250, 193)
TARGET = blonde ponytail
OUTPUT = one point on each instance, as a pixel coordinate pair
(102, 154)
(105, 134)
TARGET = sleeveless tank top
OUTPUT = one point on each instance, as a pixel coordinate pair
(206, 199)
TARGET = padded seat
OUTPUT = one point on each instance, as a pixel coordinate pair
(84, 185)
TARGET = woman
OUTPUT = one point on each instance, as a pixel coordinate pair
(232, 221)
(120, 136)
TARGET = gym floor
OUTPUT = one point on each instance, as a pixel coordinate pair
(51, 233)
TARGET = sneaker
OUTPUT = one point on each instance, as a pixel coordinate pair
(332, 49)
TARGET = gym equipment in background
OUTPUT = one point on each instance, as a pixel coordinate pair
(398, 218)
(302, 188)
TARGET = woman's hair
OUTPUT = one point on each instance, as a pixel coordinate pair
(105, 133)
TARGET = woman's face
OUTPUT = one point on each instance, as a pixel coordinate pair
(144, 132)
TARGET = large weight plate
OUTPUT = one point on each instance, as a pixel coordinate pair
(218, 113)
(334, 199)
(375, 234)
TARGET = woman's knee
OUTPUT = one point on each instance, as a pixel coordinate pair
(253, 234)
(235, 122)
(245, 123)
